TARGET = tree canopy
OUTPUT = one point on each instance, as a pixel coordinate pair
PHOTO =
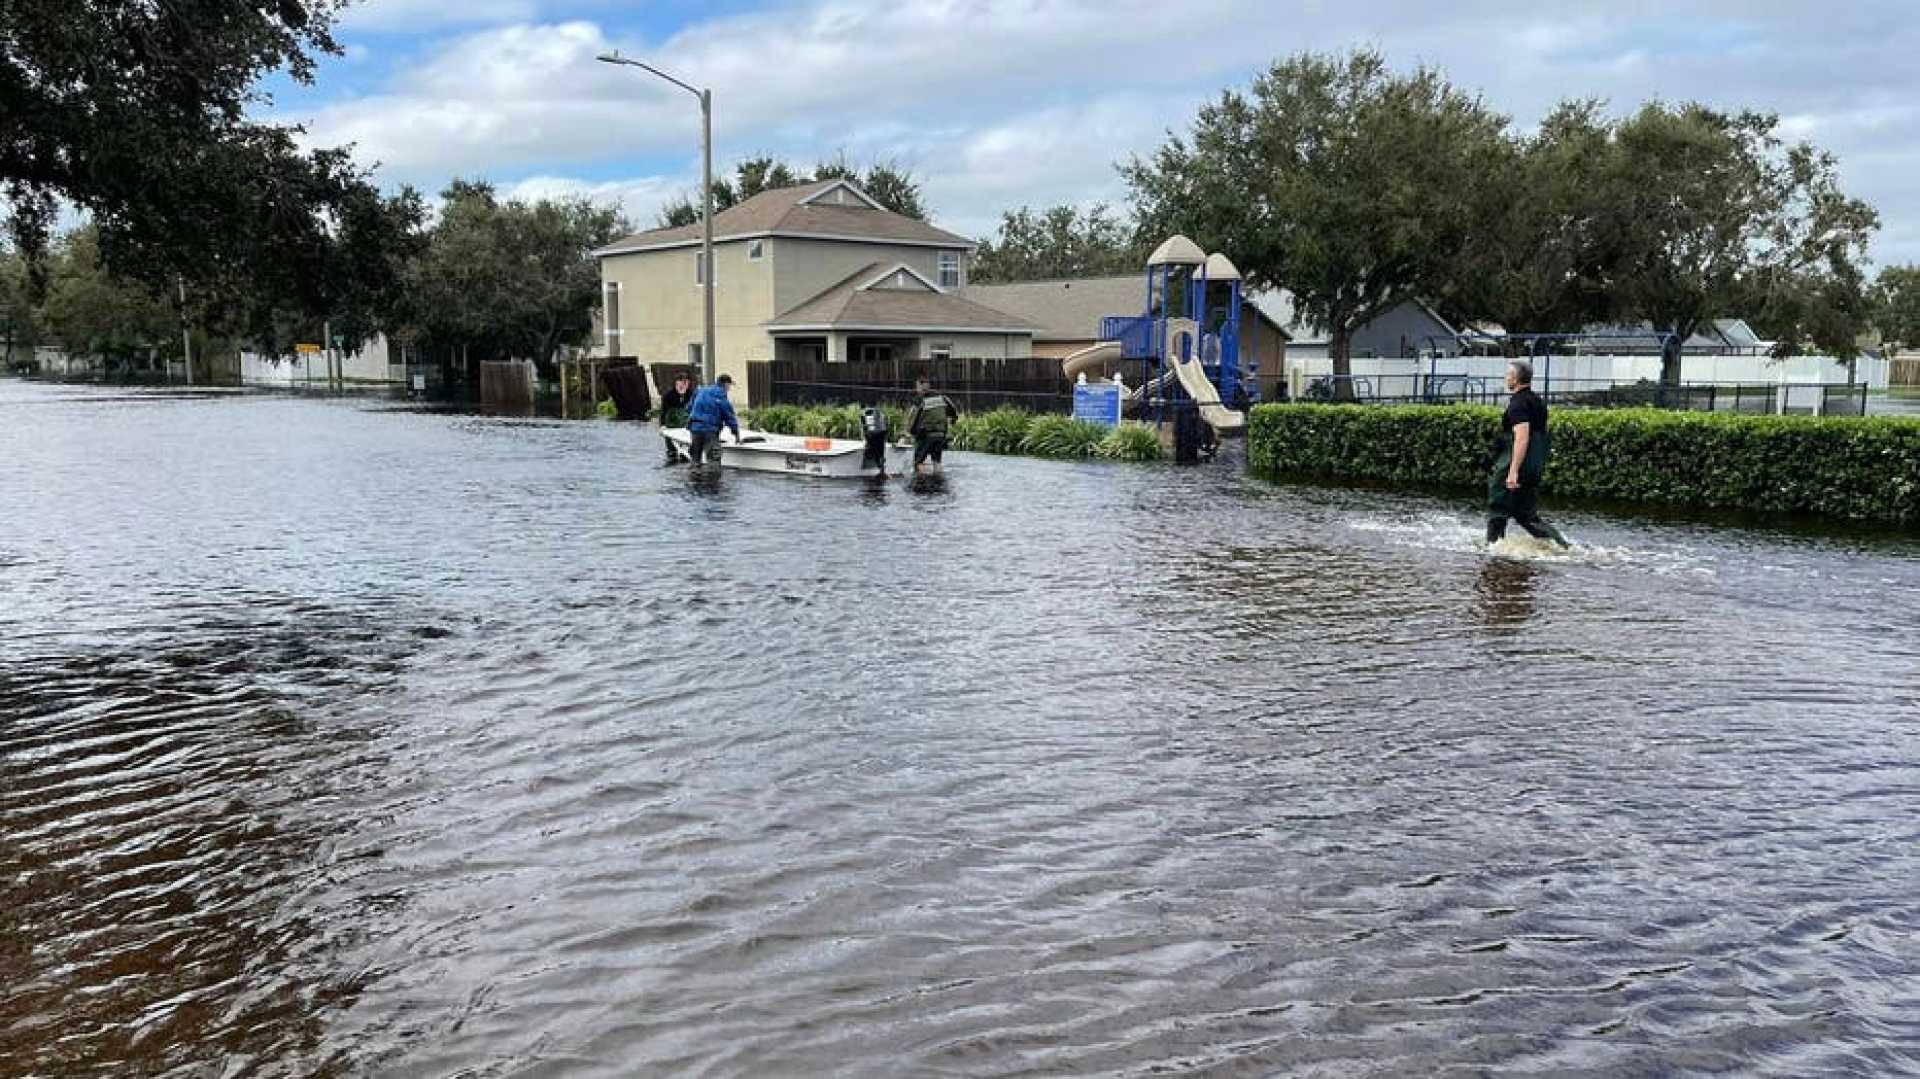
(1358, 188)
(1708, 214)
(136, 115)
(507, 278)
(1351, 185)
(892, 185)
(1896, 306)
(1060, 241)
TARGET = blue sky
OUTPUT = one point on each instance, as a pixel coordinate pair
(1000, 103)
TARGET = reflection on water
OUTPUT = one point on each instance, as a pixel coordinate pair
(1505, 593)
(338, 739)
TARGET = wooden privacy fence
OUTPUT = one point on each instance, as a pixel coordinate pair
(1032, 383)
(1904, 371)
(507, 383)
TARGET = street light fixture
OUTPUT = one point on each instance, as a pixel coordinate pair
(706, 193)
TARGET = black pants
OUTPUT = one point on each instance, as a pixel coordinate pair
(706, 445)
(1521, 504)
(928, 447)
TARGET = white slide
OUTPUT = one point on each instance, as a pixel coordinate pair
(1193, 378)
(1090, 360)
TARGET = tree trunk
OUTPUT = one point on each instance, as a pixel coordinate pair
(1852, 361)
(1338, 348)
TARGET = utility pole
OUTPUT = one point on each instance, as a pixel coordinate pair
(707, 358)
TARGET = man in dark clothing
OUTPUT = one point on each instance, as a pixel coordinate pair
(1513, 486)
(675, 402)
(928, 422)
(711, 411)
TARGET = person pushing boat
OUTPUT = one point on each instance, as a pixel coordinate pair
(710, 412)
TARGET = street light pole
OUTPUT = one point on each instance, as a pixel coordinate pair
(707, 358)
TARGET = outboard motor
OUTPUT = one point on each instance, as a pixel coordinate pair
(873, 427)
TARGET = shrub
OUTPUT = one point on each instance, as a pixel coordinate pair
(1864, 468)
(1000, 431)
(1061, 436)
(1131, 442)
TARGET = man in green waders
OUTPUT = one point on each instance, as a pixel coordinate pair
(1513, 486)
(928, 422)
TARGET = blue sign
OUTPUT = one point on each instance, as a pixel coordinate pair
(1097, 402)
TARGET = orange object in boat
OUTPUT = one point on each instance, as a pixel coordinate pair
(819, 443)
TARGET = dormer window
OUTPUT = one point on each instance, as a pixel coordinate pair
(949, 269)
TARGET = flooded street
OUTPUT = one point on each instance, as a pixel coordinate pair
(338, 738)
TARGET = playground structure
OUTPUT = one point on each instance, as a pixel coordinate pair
(1184, 351)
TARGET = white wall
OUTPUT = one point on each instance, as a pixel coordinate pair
(1396, 377)
(373, 363)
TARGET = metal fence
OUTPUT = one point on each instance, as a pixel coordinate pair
(1751, 398)
(976, 384)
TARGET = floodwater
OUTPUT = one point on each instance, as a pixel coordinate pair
(341, 739)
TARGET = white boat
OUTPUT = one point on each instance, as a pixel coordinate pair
(793, 455)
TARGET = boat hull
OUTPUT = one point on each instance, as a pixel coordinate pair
(792, 455)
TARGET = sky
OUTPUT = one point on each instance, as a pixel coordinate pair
(996, 104)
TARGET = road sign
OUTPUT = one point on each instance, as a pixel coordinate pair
(305, 347)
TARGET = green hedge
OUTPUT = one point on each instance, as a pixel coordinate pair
(1003, 430)
(1863, 468)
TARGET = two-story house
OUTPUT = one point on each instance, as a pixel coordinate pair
(820, 271)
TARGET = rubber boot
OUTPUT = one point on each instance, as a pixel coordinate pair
(1496, 530)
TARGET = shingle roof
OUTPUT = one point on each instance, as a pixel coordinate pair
(1066, 310)
(784, 212)
(848, 303)
(1070, 309)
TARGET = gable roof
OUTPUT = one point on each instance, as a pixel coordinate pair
(828, 209)
(1070, 308)
(863, 300)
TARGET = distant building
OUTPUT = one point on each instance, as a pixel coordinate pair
(1410, 328)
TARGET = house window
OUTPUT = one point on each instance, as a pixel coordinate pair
(694, 359)
(949, 269)
(940, 350)
(612, 318)
(872, 353)
(700, 268)
(755, 249)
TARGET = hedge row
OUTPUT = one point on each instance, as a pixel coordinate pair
(1863, 468)
(1004, 430)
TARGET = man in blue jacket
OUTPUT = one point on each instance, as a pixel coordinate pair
(709, 413)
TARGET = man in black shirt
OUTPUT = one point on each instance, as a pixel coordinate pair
(1513, 487)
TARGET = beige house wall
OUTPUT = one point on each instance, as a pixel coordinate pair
(662, 306)
(805, 268)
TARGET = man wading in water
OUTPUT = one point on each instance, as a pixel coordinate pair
(1513, 487)
(928, 421)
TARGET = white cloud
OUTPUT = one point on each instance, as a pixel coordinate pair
(1003, 102)
(403, 16)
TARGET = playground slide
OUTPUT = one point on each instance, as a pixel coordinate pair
(1090, 360)
(1193, 379)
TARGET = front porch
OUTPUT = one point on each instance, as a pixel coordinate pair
(857, 347)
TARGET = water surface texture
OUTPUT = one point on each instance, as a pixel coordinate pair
(343, 739)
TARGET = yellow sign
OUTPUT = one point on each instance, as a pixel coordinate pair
(306, 348)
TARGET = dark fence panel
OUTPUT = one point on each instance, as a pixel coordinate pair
(976, 384)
